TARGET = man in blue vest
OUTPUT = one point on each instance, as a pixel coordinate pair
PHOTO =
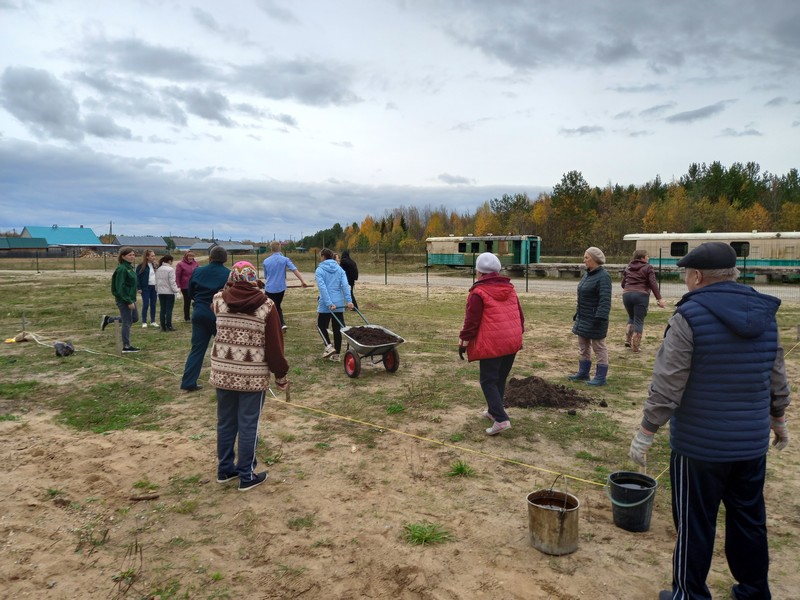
(205, 282)
(719, 379)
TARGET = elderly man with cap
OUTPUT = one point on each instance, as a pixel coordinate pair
(719, 379)
(492, 335)
(591, 318)
(247, 350)
(205, 282)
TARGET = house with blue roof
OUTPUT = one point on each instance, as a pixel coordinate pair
(60, 240)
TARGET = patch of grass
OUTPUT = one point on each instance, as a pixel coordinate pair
(288, 571)
(285, 436)
(583, 455)
(181, 486)
(112, 406)
(323, 543)
(179, 542)
(394, 409)
(146, 485)
(460, 469)
(457, 437)
(216, 576)
(185, 507)
(425, 533)
(19, 390)
(9, 417)
(51, 493)
(298, 523)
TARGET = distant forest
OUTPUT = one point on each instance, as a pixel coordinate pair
(576, 215)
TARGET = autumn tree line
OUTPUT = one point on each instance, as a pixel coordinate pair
(576, 214)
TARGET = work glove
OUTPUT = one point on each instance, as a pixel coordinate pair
(778, 425)
(639, 446)
(461, 350)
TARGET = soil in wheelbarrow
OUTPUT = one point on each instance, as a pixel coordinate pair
(534, 391)
(370, 336)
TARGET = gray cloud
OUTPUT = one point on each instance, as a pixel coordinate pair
(729, 132)
(778, 101)
(229, 33)
(455, 179)
(277, 12)
(698, 114)
(209, 105)
(580, 131)
(616, 52)
(656, 111)
(103, 126)
(138, 57)
(644, 88)
(46, 106)
(307, 81)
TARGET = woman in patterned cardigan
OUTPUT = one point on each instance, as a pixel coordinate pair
(247, 349)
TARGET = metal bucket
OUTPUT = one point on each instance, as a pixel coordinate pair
(553, 521)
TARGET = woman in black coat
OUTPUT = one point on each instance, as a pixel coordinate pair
(351, 270)
(591, 318)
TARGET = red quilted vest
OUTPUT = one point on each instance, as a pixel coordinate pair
(500, 331)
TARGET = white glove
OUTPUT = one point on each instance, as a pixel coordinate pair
(778, 425)
(639, 446)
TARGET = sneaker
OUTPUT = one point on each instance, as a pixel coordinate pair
(284, 328)
(130, 349)
(144, 325)
(499, 426)
(104, 321)
(487, 415)
(329, 349)
(334, 357)
(257, 480)
(153, 324)
(226, 477)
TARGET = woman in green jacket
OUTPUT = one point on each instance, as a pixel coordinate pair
(123, 287)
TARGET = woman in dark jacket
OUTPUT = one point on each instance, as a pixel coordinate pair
(591, 318)
(638, 279)
(351, 270)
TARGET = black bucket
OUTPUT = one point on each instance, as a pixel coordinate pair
(632, 496)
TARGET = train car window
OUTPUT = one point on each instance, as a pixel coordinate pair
(489, 245)
(476, 247)
(742, 249)
(462, 247)
(679, 248)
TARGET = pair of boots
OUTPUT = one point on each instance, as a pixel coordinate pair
(633, 339)
(584, 366)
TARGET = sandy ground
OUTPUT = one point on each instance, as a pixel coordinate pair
(329, 521)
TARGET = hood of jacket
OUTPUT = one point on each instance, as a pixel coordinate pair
(188, 261)
(329, 265)
(497, 285)
(243, 297)
(740, 308)
(637, 265)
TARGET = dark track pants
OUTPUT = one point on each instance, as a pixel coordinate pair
(698, 487)
(277, 298)
(493, 375)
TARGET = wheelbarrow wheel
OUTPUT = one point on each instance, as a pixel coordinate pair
(391, 360)
(352, 363)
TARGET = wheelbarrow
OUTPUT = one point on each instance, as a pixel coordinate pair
(383, 353)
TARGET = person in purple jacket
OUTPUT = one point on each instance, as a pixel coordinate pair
(183, 274)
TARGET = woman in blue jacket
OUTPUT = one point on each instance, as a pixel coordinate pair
(591, 318)
(334, 297)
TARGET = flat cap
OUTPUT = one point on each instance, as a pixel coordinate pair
(710, 255)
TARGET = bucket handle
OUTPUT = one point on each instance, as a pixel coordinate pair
(629, 504)
(566, 495)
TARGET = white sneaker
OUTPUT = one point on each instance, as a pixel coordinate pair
(329, 349)
(487, 415)
(334, 358)
(153, 324)
(144, 325)
(498, 426)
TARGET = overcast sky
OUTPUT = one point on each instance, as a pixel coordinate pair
(270, 118)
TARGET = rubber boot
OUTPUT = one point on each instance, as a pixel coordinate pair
(636, 340)
(599, 375)
(584, 366)
(628, 334)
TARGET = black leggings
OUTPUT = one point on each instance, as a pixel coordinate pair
(323, 319)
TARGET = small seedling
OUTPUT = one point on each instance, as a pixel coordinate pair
(146, 484)
(461, 469)
(420, 534)
(53, 493)
(301, 522)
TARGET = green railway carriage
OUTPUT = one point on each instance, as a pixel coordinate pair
(514, 251)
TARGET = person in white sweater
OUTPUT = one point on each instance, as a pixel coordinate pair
(166, 288)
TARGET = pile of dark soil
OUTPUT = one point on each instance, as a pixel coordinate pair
(371, 336)
(535, 391)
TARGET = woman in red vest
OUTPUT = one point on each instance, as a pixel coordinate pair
(492, 335)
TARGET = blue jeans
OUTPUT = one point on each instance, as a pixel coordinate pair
(237, 415)
(149, 296)
(129, 316)
(636, 304)
(204, 327)
(493, 375)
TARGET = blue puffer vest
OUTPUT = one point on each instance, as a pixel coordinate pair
(724, 412)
